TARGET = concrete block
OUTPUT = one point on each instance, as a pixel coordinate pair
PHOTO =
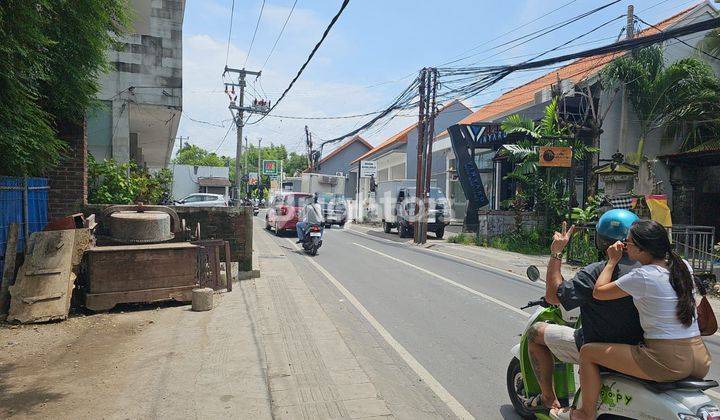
(202, 299)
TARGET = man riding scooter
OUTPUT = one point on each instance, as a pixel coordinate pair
(611, 321)
(311, 214)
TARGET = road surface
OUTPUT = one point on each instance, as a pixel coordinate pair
(456, 319)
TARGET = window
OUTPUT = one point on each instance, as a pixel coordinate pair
(296, 200)
(195, 198)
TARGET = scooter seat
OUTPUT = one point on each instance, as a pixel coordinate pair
(687, 383)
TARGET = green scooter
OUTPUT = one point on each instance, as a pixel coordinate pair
(621, 396)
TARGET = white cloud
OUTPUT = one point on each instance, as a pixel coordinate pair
(204, 97)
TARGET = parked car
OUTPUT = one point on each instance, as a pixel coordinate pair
(203, 200)
(284, 210)
(397, 209)
(334, 209)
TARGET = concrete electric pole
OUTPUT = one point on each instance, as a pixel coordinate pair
(426, 129)
(257, 108)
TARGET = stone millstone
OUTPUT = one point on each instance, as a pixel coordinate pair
(145, 227)
(202, 299)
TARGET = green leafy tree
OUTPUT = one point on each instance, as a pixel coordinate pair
(110, 182)
(673, 97)
(711, 42)
(295, 163)
(53, 52)
(191, 154)
(546, 188)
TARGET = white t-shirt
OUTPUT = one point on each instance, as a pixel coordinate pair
(656, 302)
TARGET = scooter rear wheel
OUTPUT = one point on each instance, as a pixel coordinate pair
(516, 389)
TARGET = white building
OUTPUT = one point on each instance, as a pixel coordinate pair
(141, 97)
(189, 179)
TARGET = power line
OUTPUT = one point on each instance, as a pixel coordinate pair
(307, 61)
(257, 25)
(680, 40)
(232, 13)
(536, 34)
(279, 36)
(507, 33)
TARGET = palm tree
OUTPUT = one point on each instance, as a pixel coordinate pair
(711, 42)
(547, 188)
(665, 96)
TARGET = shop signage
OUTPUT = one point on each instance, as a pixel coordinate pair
(560, 157)
(270, 167)
(368, 168)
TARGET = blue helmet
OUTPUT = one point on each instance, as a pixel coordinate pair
(615, 224)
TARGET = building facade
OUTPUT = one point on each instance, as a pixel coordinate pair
(141, 97)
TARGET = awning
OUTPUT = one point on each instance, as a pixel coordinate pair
(213, 182)
(710, 157)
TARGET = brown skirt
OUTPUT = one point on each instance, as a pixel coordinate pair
(673, 360)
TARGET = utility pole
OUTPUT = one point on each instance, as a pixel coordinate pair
(419, 180)
(239, 117)
(309, 145)
(630, 32)
(426, 129)
(181, 138)
(247, 172)
(259, 184)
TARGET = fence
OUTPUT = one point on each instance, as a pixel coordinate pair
(23, 201)
(694, 243)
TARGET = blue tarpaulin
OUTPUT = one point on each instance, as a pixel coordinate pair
(11, 208)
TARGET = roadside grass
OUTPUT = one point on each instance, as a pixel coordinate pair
(524, 242)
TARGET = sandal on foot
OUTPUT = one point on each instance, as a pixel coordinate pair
(562, 413)
(536, 403)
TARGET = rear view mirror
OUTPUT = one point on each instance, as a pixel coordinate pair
(533, 273)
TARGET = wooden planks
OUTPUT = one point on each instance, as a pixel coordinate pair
(44, 284)
(140, 273)
(8, 268)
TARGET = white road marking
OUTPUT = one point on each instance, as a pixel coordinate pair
(442, 393)
(483, 265)
(449, 281)
(712, 394)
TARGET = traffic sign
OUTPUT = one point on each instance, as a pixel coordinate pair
(368, 168)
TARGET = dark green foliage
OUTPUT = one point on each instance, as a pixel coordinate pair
(682, 98)
(529, 242)
(110, 182)
(52, 54)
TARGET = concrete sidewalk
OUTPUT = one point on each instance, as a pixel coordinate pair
(313, 373)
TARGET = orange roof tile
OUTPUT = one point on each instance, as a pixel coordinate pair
(345, 145)
(400, 137)
(576, 71)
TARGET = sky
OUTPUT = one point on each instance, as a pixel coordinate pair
(373, 53)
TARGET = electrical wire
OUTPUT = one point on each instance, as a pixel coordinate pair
(307, 61)
(488, 76)
(452, 59)
(680, 40)
(535, 34)
(257, 25)
(279, 36)
(232, 13)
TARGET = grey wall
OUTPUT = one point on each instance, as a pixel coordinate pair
(341, 161)
(447, 117)
(656, 143)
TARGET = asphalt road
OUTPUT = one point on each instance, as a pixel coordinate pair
(457, 319)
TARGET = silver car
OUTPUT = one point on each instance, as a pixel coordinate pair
(203, 200)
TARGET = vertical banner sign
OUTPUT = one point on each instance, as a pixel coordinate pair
(270, 167)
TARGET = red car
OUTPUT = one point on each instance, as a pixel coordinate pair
(283, 211)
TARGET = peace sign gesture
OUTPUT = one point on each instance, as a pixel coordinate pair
(561, 239)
